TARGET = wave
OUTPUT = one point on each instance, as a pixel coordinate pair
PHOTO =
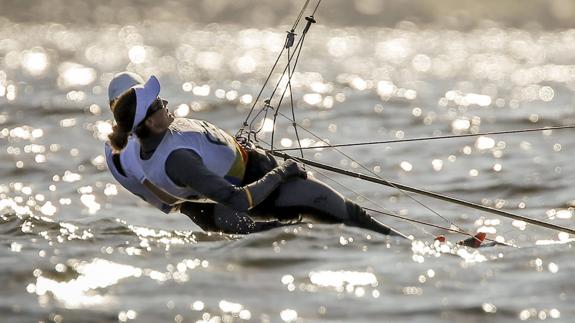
(15, 225)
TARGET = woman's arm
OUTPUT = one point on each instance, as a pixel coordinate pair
(186, 168)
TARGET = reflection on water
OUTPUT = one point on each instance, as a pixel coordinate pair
(81, 291)
(74, 239)
(351, 282)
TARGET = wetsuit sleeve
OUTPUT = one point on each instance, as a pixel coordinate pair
(186, 168)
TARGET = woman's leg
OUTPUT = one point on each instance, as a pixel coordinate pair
(317, 197)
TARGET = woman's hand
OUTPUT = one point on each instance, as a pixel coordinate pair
(291, 169)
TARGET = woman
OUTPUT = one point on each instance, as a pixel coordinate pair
(124, 166)
(126, 169)
(194, 160)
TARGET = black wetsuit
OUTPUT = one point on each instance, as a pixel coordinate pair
(274, 189)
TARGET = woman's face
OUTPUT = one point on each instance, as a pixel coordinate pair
(160, 117)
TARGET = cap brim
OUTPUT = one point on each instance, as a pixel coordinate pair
(145, 96)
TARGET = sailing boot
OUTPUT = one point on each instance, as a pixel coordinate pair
(359, 218)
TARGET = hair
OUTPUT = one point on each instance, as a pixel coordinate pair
(112, 102)
(124, 110)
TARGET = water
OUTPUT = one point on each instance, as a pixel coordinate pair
(76, 247)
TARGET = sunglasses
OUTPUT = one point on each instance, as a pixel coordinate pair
(156, 106)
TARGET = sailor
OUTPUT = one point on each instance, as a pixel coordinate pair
(194, 160)
(124, 166)
(127, 170)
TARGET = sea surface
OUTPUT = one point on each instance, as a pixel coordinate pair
(77, 247)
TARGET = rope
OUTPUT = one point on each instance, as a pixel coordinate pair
(385, 210)
(310, 21)
(267, 106)
(288, 68)
(376, 175)
(317, 6)
(393, 141)
(288, 86)
(300, 15)
(245, 123)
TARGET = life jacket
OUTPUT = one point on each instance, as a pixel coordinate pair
(219, 151)
(126, 169)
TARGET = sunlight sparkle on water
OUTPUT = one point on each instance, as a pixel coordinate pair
(35, 61)
(406, 166)
(286, 142)
(288, 315)
(340, 279)
(386, 88)
(533, 314)
(268, 125)
(137, 54)
(73, 74)
(483, 143)
(103, 129)
(422, 249)
(124, 316)
(182, 110)
(230, 307)
(110, 190)
(78, 292)
(521, 225)
(201, 90)
(437, 164)
(460, 125)
(559, 214)
(71, 177)
(89, 201)
(312, 98)
(48, 209)
(209, 60)
(246, 64)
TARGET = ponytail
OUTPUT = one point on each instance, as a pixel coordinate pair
(124, 109)
(118, 138)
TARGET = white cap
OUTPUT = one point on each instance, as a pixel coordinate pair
(145, 95)
(121, 83)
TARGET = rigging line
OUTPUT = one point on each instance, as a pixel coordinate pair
(317, 6)
(266, 110)
(274, 66)
(385, 210)
(245, 123)
(300, 15)
(379, 177)
(298, 44)
(489, 133)
(288, 85)
(293, 116)
(436, 226)
(267, 105)
(395, 215)
(288, 44)
(253, 131)
(429, 194)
